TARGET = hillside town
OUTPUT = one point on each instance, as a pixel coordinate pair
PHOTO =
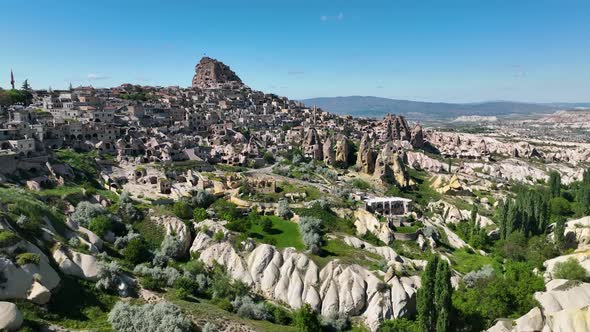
(246, 211)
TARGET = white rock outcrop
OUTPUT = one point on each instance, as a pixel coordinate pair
(21, 281)
(10, 317)
(77, 264)
(293, 278)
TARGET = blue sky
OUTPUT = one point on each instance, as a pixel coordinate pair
(438, 50)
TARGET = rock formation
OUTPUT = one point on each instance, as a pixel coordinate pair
(312, 146)
(417, 139)
(210, 73)
(562, 307)
(294, 279)
(328, 152)
(365, 159)
(342, 151)
(10, 317)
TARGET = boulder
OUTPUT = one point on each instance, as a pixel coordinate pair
(39, 294)
(21, 279)
(531, 322)
(77, 264)
(10, 317)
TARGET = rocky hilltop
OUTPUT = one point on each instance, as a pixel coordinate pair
(211, 73)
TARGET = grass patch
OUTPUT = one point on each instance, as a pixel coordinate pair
(202, 309)
(83, 163)
(283, 233)
(152, 232)
(337, 249)
(330, 221)
(465, 261)
(77, 305)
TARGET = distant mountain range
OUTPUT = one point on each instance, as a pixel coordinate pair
(367, 106)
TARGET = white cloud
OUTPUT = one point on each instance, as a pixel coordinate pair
(338, 17)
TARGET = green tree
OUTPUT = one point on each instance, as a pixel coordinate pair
(559, 232)
(136, 251)
(425, 303)
(442, 296)
(306, 320)
(554, 184)
(26, 86)
(100, 225)
(182, 210)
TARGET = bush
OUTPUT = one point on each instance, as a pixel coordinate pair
(225, 210)
(152, 284)
(306, 320)
(8, 239)
(223, 303)
(560, 206)
(100, 225)
(245, 307)
(109, 277)
(336, 322)
(267, 225)
(283, 209)
(200, 214)
(571, 270)
(167, 276)
(310, 229)
(172, 247)
(27, 258)
(182, 210)
(136, 251)
(202, 199)
(85, 211)
(127, 210)
(148, 318)
(483, 274)
(399, 325)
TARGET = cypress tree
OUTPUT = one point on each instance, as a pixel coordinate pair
(554, 184)
(443, 293)
(427, 312)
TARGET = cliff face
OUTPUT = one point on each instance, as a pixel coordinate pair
(210, 72)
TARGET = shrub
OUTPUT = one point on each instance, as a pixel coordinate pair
(283, 209)
(152, 284)
(223, 303)
(267, 225)
(245, 307)
(85, 211)
(306, 320)
(202, 199)
(200, 214)
(279, 315)
(225, 210)
(172, 247)
(336, 322)
(136, 251)
(127, 210)
(483, 274)
(27, 258)
(109, 277)
(26, 224)
(310, 229)
(399, 325)
(100, 225)
(167, 275)
(182, 210)
(571, 270)
(8, 239)
(209, 327)
(148, 318)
